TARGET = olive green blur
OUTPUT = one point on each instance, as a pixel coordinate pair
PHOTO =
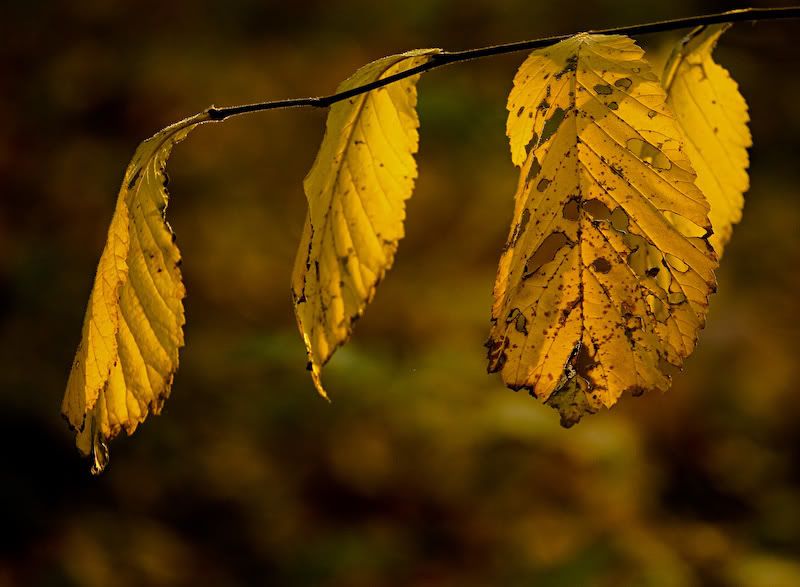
(424, 470)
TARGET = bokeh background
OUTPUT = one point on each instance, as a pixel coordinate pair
(424, 470)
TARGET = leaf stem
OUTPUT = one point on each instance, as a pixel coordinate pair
(448, 57)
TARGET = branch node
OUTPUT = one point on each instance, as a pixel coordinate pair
(214, 113)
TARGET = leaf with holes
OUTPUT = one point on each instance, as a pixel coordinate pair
(713, 116)
(356, 190)
(598, 292)
(133, 326)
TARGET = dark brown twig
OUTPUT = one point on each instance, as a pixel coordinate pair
(448, 57)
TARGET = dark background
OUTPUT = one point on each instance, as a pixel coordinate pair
(423, 470)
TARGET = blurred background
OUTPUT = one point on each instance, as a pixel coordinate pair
(424, 470)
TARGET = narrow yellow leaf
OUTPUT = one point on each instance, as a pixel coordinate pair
(133, 327)
(597, 292)
(713, 116)
(356, 190)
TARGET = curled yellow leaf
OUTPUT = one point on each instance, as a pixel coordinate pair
(713, 116)
(356, 190)
(133, 327)
(598, 292)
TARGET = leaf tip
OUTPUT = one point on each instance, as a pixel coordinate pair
(91, 443)
(317, 379)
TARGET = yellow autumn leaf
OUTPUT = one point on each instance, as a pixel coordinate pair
(356, 190)
(597, 291)
(133, 326)
(713, 116)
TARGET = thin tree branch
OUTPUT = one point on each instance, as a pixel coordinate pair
(448, 57)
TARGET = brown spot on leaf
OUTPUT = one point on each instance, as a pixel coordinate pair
(571, 65)
(624, 83)
(601, 265)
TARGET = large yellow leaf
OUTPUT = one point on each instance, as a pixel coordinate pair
(597, 291)
(133, 327)
(713, 116)
(356, 191)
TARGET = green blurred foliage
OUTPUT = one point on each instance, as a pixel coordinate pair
(423, 471)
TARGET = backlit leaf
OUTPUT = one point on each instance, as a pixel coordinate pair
(133, 327)
(597, 292)
(713, 116)
(356, 191)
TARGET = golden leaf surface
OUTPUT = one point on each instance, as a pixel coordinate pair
(713, 115)
(597, 291)
(356, 190)
(133, 327)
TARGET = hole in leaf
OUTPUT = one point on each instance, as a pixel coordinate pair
(619, 220)
(552, 124)
(597, 209)
(545, 253)
(518, 318)
(571, 209)
(675, 263)
(658, 308)
(649, 154)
